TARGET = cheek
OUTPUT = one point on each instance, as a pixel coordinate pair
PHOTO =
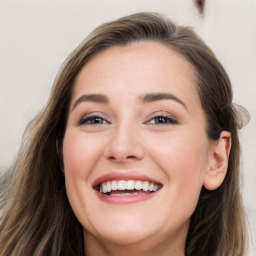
(181, 155)
(184, 162)
(80, 154)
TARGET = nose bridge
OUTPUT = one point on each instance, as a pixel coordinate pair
(124, 143)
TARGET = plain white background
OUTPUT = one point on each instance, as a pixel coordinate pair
(37, 35)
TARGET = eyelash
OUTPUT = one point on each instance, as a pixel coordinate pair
(88, 120)
(159, 120)
(165, 120)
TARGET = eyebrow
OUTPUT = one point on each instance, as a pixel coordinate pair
(147, 98)
(151, 97)
(99, 98)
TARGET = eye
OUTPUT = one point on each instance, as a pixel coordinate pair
(162, 120)
(93, 120)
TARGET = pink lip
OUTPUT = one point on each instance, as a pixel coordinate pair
(126, 199)
(124, 175)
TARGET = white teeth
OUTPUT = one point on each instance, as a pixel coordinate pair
(114, 185)
(146, 186)
(121, 185)
(109, 186)
(130, 185)
(138, 185)
(104, 188)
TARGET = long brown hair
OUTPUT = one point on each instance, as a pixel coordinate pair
(37, 218)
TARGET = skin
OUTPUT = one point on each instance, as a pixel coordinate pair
(177, 154)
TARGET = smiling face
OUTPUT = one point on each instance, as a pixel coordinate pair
(135, 149)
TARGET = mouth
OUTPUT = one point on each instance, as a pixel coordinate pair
(127, 187)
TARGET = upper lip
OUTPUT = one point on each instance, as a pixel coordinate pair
(123, 175)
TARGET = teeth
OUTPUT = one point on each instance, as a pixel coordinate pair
(156, 187)
(114, 185)
(109, 186)
(130, 185)
(104, 188)
(121, 185)
(146, 186)
(151, 186)
(138, 185)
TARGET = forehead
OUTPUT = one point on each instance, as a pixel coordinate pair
(139, 68)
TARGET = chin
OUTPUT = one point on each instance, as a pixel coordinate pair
(124, 238)
(124, 231)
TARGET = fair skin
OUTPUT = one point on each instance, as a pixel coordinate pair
(135, 115)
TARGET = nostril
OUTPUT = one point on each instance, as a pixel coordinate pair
(130, 157)
(127, 157)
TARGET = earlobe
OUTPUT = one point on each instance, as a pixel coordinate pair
(218, 162)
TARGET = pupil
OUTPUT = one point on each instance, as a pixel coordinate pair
(161, 120)
(96, 120)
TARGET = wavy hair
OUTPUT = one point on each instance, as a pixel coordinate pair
(36, 216)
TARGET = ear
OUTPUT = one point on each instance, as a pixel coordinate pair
(218, 161)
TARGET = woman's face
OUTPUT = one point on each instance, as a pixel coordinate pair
(135, 150)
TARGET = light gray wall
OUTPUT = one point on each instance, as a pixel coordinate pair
(36, 36)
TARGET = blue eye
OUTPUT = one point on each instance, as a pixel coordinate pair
(93, 120)
(162, 120)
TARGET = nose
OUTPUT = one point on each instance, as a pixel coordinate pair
(124, 145)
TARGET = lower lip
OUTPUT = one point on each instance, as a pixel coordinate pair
(127, 199)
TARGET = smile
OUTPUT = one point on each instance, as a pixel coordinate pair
(127, 187)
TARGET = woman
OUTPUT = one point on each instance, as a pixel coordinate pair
(135, 153)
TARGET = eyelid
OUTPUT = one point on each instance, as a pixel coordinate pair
(163, 114)
(93, 114)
